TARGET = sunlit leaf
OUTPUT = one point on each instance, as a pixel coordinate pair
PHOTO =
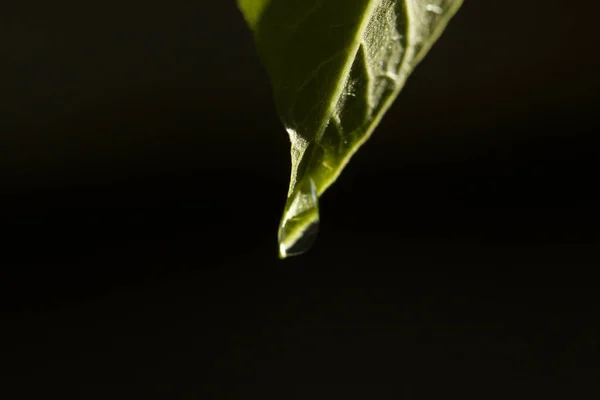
(335, 68)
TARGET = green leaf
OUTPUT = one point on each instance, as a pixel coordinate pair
(335, 68)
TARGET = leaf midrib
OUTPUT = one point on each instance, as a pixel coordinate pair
(352, 53)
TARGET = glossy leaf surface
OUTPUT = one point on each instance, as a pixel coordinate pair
(335, 68)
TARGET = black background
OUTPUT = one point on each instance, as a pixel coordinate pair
(143, 171)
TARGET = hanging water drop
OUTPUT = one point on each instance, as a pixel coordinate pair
(300, 223)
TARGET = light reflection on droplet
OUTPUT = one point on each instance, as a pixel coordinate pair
(300, 223)
(304, 242)
(434, 8)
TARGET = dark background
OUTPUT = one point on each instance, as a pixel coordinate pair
(143, 171)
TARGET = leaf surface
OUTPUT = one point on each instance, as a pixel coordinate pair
(335, 68)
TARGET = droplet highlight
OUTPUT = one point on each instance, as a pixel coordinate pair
(300, 223)
(434, 8)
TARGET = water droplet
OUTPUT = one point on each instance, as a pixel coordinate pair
(434, 9)
(300, 223)
(303, 244)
